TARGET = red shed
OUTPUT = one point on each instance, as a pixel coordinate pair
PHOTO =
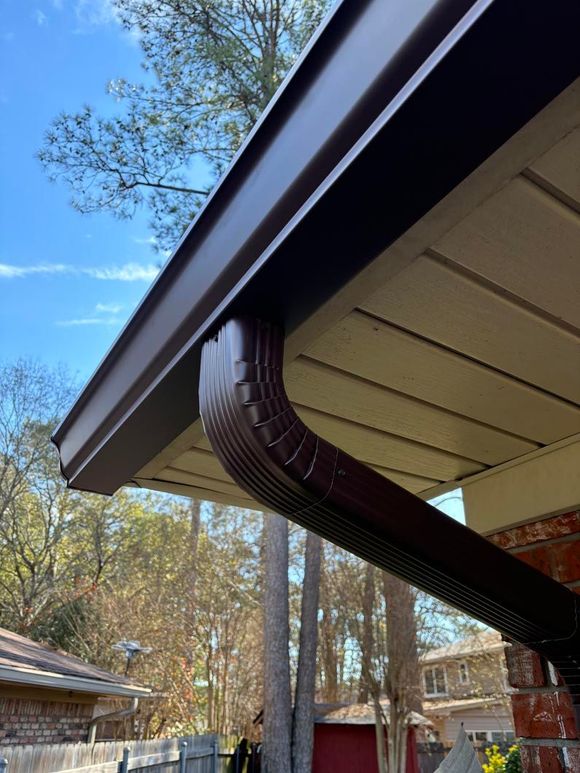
(344, 740)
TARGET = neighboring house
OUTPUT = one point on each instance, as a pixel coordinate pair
(345, 741)
(48, 696)
(466, 683)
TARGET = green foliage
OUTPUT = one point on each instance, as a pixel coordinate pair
(495, 760)
(82, 571)
(514, 760)
(500, 763)
(34, 503)
(211, 67)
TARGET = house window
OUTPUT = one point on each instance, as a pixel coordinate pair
(435, 680)
(489, 736)
(479, 736)
(463, 673)
(502, 737)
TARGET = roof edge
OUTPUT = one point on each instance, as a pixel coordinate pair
(286, 206)
(37, 678)
(332, 132)
(425, 659)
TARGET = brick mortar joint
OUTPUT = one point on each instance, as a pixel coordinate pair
(515, 549)
(544, 690)
(555, 743)
(529, 534)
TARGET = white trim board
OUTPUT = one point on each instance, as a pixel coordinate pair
(542, 483)
(33, 678)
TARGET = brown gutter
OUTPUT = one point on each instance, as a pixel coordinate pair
(266, 448)
(390, 108)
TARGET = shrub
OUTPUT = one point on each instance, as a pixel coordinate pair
(498, 763)
(513, 763)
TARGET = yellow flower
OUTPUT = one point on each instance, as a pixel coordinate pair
(496, 761)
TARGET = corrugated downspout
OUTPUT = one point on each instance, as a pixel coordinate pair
(121, 714)
(271, 454)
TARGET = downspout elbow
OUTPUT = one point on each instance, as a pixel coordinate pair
(121, 714)
(266, 448)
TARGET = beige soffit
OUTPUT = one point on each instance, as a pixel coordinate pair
(454, 356)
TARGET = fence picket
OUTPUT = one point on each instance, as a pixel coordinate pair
(124, 764)
(182, 756)
(153, 756)
(215, 761)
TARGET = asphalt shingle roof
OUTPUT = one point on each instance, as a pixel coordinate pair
(21, 653)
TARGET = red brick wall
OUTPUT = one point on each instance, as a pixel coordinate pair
(543, 714)
(37, 721)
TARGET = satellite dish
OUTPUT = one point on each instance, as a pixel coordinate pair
(130, 648)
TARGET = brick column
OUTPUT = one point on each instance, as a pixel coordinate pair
(543, 713)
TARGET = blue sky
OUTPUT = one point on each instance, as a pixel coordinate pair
(68, 282)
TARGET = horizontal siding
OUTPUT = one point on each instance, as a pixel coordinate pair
(443, 305)
(499, 721)
(559, 169)
(525, 241)
(315, 385)
(385, 355)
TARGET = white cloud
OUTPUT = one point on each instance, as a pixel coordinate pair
(89, 321)
(151, 240)
(57, 4)
(128, 272)
(10, 271)
(40, 17)
(94, 13)
(108, 308)
(104, 314)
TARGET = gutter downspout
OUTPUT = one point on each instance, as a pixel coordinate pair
(260, 441)
(121, 714)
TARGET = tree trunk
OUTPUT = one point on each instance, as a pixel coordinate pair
(193, 539)
(367, 633)
(303, 724)
(277, 721)
(403, 676)
(329, 661)
(379, 736)
(189, 631)
(369, 686)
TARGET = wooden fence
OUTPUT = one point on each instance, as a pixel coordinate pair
(430, 756)
(190, 754)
